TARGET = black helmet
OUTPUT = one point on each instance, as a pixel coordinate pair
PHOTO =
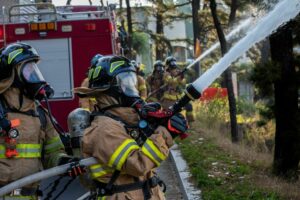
(115, 76)
(158, 66)
(170, 63)
(14, 54)
(95, 59)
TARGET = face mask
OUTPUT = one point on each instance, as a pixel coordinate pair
(125, 89)
(35, 84)
(127, 81)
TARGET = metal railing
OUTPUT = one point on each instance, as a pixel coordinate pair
(39, 12)
(32, 12)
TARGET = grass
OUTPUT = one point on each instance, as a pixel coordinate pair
(226, 171)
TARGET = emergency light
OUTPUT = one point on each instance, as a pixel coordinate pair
(49, 26)
(1, 32)
(90, 26)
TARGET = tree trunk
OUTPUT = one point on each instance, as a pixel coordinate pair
(233, 9)
(121, 4)
(287, 137)
(129, 25)
(227, 73)
(102, 3)
(159, 50)
(196, 28)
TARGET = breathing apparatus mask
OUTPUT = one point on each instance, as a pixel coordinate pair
(35, 86)
(124, 89)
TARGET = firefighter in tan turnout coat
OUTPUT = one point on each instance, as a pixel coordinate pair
(28, 140)
(126, 165)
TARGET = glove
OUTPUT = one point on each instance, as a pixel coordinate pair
(75, 168)
(150, 107)
(177, 126)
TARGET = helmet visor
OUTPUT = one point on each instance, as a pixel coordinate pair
(159, 68)
(173, 64)
(31, 73)
(128, 82)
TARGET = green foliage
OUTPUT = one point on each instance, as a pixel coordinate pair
(219, 175)
(213, 110)
(245, 107)
(263, 76)
(140, 42)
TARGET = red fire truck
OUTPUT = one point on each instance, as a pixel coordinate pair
(66, 38)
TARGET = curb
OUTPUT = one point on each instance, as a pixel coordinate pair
(189, 191)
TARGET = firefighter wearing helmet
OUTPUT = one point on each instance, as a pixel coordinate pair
(175, 81)
(126, 165)
(141, 83)
(155, 81)
(28, 140)
(85, 102)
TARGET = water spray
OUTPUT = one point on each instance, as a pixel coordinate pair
(243, 26)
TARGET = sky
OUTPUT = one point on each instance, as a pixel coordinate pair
(95, 2)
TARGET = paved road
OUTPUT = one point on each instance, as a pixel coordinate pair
(75, 190)
(167, 173)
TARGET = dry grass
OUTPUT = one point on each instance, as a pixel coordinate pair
(260, 162)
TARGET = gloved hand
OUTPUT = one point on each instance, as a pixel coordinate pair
(75, 168)
(150, 107)
(177, 126)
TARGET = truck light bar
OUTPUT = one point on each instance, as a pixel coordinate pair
(48, 26)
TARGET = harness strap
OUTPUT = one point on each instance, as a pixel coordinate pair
(145, 185)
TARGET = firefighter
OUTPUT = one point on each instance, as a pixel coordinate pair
(175, 84)
(155, 81)
(141, 83)
(126, 165)
(88, 103)
(28, 139)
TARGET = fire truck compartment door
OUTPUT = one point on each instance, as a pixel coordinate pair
(56, 64)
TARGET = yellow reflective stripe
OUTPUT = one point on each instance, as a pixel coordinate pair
(120, 155)
(150, 150)
(142, 87)
(152, 99)
(87, 109)
(53, 144)
(29, 150)
(98, 170)
(97, 71)
(115, 65)
(2, 151)
(13, 54)
(93, 100)
(24, 150)
(101, 198)
(172, 97)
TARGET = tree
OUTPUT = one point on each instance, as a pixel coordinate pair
(287, 136)
(196, 27)
(233, 9)
(159, 46)
(121, 4)
(129, 25)
(227, 73)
